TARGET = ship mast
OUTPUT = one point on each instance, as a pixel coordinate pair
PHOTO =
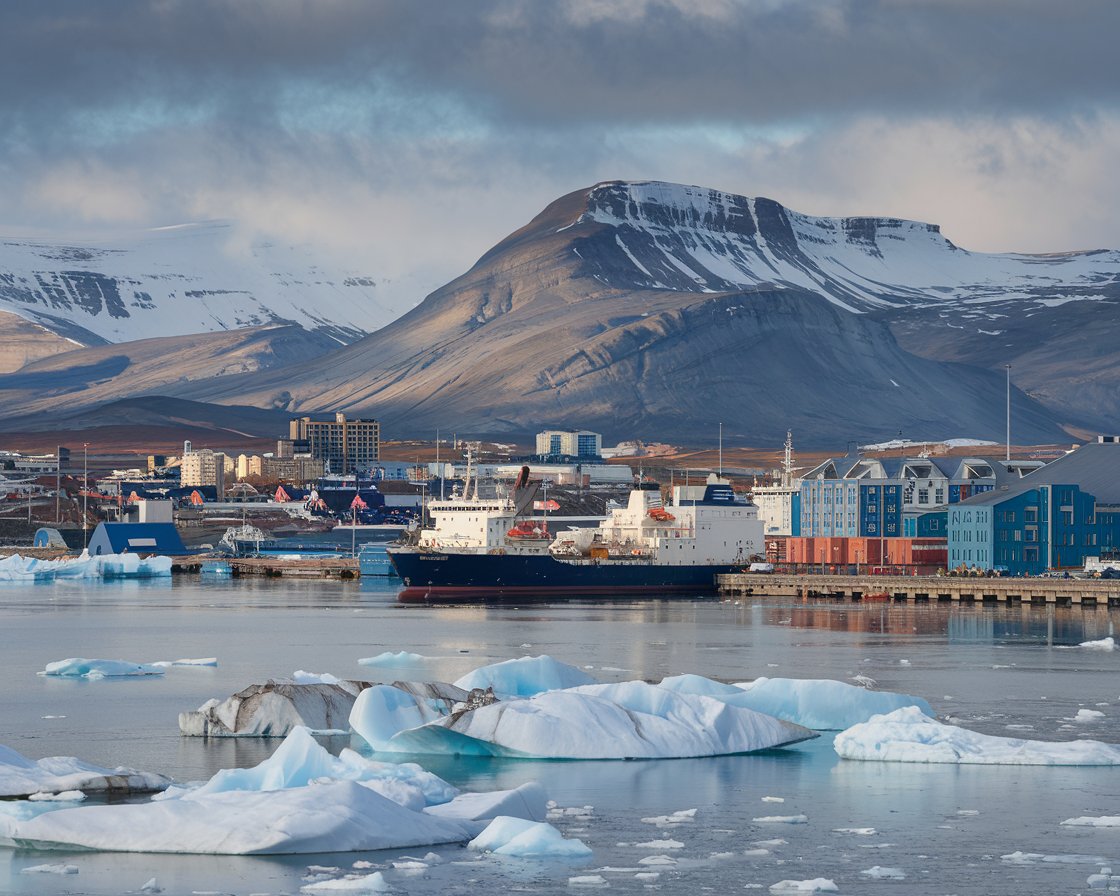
(787, 463)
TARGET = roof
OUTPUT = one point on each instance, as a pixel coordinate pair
(1094, 468)
(136, 538)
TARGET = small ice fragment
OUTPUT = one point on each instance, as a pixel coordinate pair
(773, 799)
(1103, 821)
(756, 852)
(660, 844)
(151, 887)
(880, 873)
(815, 885)
(781, 819)
(1103, 644)
(370, 883)
(1088, 715)
(657, 860)
(66, 796)
(862, 832)
(588, 880)
(50, 869)
(722, 855)
(968, 811)
(647, 875)
(53, 717)
(904, 662)
(776, 841)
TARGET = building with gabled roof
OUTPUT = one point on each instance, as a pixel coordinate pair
(136, 538)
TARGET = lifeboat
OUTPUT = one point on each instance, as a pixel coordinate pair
(661, 515)
(528, 530)
(877, 595)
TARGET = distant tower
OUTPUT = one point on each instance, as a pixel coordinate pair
(186, 446)
(787, 463)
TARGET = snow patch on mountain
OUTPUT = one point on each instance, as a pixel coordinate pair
(174, 281)
(687, 238)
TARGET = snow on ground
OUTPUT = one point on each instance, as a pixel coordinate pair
(907, 735)
(820, 704)
(525, 677)
(106, 566)
(94, 670)
(604, 721)
(506, 836)
(20, 776)
(300, 800)
(895, 444)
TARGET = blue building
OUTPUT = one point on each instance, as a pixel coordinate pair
(1052, 519)
(893, 497)
(136, 538)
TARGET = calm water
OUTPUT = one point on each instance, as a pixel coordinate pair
(1009, 672)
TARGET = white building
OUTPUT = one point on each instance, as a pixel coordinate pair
(779, 506)
(204, 467)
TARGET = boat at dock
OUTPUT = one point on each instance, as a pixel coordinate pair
(481, 549)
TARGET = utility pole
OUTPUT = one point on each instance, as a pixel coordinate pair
(85, 494)
(57, 484)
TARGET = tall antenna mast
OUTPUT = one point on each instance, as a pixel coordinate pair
(787, 463)
(721, 451)
(1008, 457)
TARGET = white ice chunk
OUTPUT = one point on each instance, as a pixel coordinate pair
(106, 566)
(475, 810)
(781, 819)
(388, 658)
(1088, 715)
(907, 735)
(50, 869)
(367, 883)
(20, 776)
(519, 837)
(93, 670)
(820, 704)
(1103, 644)
(340, 817)
(877, 872)
(588, 880)
(1103, 821)
(815, 885)
(302, 677)
(525, 677)
(607, 721)
(201, 661)
(300, 760)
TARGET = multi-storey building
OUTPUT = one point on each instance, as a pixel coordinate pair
(570, 443)
(345, 446)
(204, 467)
(1052, 519)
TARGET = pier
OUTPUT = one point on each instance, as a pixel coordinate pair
(277, 567)
(923, 589)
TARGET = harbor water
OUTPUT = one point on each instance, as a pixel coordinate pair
(937, 829)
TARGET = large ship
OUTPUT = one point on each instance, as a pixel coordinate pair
(480, 549)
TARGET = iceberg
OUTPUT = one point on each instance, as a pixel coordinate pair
(632, 720)
(525, 677)
(105, 566)
(300, 760)
(908, 735)
(300, 800)
(95, 670)
(820, 704)
(337, 817)
(20, 776)
(1108, 643)
(507, 836)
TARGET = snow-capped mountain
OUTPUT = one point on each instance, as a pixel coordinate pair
(669, 236)
(173, 281)
(659, 311)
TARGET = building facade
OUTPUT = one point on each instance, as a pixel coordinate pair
(1052, 520)
(204, 467)
(570, 443)
(345, 446)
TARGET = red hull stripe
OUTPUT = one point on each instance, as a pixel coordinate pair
(444, 594)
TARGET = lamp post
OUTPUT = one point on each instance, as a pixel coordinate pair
(57, 484)
(1008, 456)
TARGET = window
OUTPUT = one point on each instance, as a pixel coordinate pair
(923, 496)
(939, 495)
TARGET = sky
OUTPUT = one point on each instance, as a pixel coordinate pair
(404, 139)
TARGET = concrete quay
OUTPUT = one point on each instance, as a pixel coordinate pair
(922, 589)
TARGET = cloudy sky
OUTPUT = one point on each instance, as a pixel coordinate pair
(406, 138)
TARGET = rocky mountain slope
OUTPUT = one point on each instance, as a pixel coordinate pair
(660, 311)
(179, 280)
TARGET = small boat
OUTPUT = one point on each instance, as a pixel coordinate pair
(876, 595)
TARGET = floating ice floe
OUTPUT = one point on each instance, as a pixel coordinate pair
(820, 704)
(907, 735)
(877, 872)
(276, 708)
(1088, 715)
(95, 670)
(525, 677)
(400, 658)
(1102, 821)
(105, 566)
(376, 806)
(1103, 644)
(363, 883)
(20, 776)
(50, 869)
(507, 836)
(202, 661)
(632, 720)
(814, 885)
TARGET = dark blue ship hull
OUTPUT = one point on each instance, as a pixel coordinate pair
(450, 578)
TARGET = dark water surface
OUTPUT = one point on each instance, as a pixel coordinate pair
(1003, 671)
